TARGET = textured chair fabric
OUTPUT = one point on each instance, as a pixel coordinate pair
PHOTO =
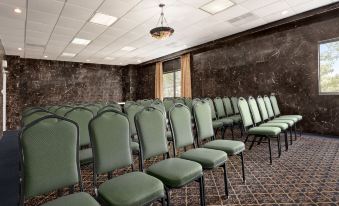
(61, 111)
(229, 146)
(234, 101)
(221, 113)
(131, 111)
(208, 158)
(276, 109)
(94, 108)
(134, 147)
(132, 189)
(85, 156)
(36, 114)
(268, 131)
(77, 199)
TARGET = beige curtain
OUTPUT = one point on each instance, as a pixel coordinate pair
(186, 90)
(158, 81)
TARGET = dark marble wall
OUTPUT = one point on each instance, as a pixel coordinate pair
(34, 82)
(281, 60)
(146, 82)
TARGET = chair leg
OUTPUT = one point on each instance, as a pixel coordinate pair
(260, 140)
(223, 133)
(163, 201)
(242, 166)
(269, 148)
(202, 191)
(225, 179)
(232, 132)
(286, 141)
(167, 196)
(241, 133)
(279, 145)
(295, 131)
(291, 140)
(246, 138)
(254, 139)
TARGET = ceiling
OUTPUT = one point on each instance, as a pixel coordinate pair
(46, 28)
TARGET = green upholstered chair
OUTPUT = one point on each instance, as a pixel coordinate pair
(218, 125)
(290, 121)
(168, 102)
(82, 116)
(33, 115)
(160, 106)
(188, 103)
(258, 121)
(231, 114)
(277, 113)
(180, 122)
(110, 107)
(145, 102)
(29, 110)
(131, 111)
(173, 172)
(94, 108)
(110, 137)
(62, 110)
(53, 108)
(180, 100)
(234, 101)
(50, 161)
(127, 104)
(252, 130)
(203, 121)
(222, 116)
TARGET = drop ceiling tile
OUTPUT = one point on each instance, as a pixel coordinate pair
(48, 6)
(296, 2)
(230, 13)
(76, 12)
(7, 11)
(310, 5)
(90, 4)
(256, 4)
(94, 28)
(125, 24)
(6, 23)
(86, 35)
(116, 8)
(42, 17)
(70, 23)
(195, 3)
(278, 15)
(272, 8)
(39, 27)
(59, 30)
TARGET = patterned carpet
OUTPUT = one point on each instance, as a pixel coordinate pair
(306, 174)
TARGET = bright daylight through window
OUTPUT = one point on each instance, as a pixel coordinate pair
(172, 84)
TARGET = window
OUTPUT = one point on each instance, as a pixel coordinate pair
(329, 67)
(172, 84)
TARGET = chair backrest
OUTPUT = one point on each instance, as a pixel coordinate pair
(268, 106)
(81, 116)
(53, 108)
(210, 102)
(151, 130)
(181, 125)
(61, 111)
(254, 110)
(131, 111)
(168, 103)
(234, 101)
(34, 115)
(146, 102)
(275, 106)
(188, 103)
(219, 107)
(179, 100)
(49, 155)
(245, 112)
(203, 119)
(127, 104)
(30, 110)
(110, 139)
(94, 108)
(195, 100)
(228, 106)
(159, 105)
(262, 108)
(109, 107)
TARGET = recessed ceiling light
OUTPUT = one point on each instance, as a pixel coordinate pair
(128, 48)
(45, 56)
(65, 54)
(216, 6)
(139, 61)
(103, 19)
(109, 58)
(17, 10)
(20, 49)
(87, 60)
(284, 12)
(81, 41)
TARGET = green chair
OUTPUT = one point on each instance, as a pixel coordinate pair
(231, 114)
(61, 111)
(234, 101)
(53, 108)
(180, 122)
(82, 116)
(277, 113)
(145, 102)
(29, 110)
(110, 107)
(218, 125)
(33, 115)
(203, 121)
(168, 103)
(110, 137)
(173, 172)
(222, 116)
(252, 130)
(179, 100)
(94, 108)
(258, 121)
(160, 106)
(131, 111)
(50, 161)
(127, 104)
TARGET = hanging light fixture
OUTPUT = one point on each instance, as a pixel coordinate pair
(162, 32)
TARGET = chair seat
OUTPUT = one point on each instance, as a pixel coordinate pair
(289, 122)
(294, 119)
(85, 156)
(208, 158)
(76, 199)
(231, 147)
(135, 188)
(175, 172)
(270, 131)
(134, 147)
(226, 121)
(299, 117)
(217, 124)
(282, 126)
(235, 118)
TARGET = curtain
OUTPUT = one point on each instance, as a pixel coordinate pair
(186, 90)
(158, 81)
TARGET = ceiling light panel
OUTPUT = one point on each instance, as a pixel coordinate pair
(81, 41)
(216, 6)
(128, 48)
(103, 19)
(65, 54)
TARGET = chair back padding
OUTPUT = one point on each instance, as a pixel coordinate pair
(110, 107)
(110, 140)
(234, 101)
(159, 105)
(131, 111)
(262, 108)
(219, 107)
(228, 106)
(179, 100)
(210, 102)
(181, 125)
(127, 104)
(203, 119)
(81, 116)
(61, 111)
(94, 108)
(151, 130)
(145, 102)
(195, 100)
(268, 106)
(254, 110)
(275, 106)
(245, 112)
(188, 103)
(53, 108)
(168, 103)
(30, 110)
(49, 154)
(36, 114)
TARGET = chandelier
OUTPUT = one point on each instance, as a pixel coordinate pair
(162, 32)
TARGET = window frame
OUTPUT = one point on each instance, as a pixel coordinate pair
(319, 87)
(174, 82)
